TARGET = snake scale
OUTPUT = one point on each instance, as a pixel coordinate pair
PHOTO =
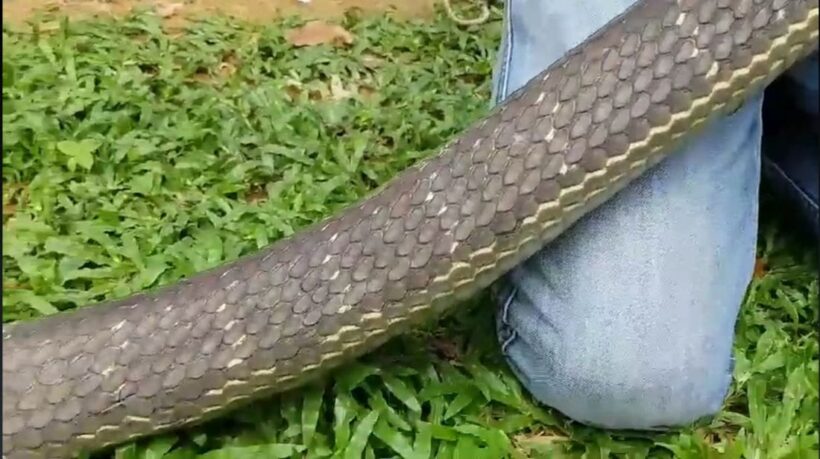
(439, 232)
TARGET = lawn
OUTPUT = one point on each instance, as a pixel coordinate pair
(134, 156)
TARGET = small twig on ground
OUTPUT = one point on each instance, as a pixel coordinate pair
(485, 14)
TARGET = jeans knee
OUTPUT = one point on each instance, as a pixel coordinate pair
(642, 374)
(634, 394)
(642, 397)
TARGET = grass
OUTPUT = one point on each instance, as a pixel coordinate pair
(132, 157)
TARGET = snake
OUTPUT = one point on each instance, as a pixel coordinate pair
(609, 109)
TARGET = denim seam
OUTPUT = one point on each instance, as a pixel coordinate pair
(797, 189)
(504, 80)
(504, 320)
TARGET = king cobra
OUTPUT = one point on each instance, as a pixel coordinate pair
(439, 232)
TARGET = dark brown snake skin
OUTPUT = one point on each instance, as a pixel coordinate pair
(576, 134)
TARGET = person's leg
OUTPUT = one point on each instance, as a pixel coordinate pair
(627, 320)
(791, 140)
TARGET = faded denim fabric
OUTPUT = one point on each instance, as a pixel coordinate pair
(627, 320)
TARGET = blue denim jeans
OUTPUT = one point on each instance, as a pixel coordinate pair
(627, 320)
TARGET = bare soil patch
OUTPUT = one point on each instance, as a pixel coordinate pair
(17, 12)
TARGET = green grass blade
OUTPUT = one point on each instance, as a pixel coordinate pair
(310, 413)
(360, 435)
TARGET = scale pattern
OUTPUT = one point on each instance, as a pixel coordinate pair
(439, 232)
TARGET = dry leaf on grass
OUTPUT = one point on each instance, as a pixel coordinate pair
(366, 91)
(11, 285)
(318, 33)
(293, 88)
(169, 9)
(226, 69)
(54, 5)
(760, 268)
(446, 348)
(333, 90)
(338, 90)
(9, 209)
(256, 194)
(371, 61)
(50, 26)
(540, 438)
(13, 195)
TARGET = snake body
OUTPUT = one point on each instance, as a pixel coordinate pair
(577, 133)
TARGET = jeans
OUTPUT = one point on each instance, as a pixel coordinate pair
(627, 320)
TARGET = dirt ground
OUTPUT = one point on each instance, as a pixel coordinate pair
(17, 12)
